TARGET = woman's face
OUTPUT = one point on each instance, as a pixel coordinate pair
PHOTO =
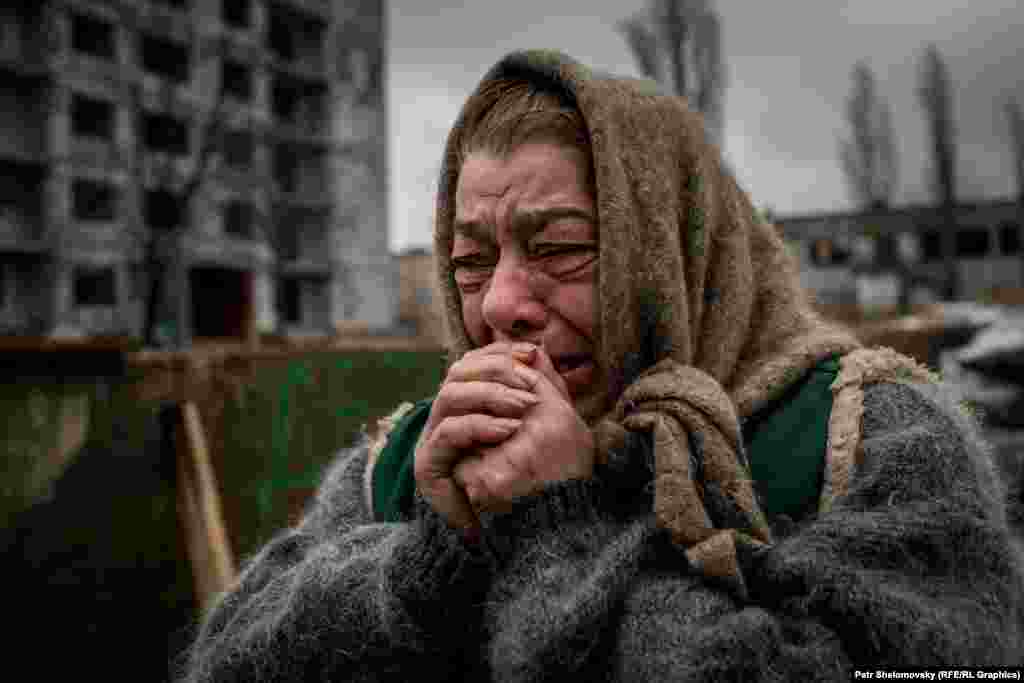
(525, 255)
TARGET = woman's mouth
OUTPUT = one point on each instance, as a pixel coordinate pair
(577, 370)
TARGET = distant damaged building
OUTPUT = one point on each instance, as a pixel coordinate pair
(833, 248)
(104, 108)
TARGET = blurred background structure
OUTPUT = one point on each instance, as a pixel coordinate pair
(202, 167)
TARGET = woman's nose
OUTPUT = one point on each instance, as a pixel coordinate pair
(510, 307)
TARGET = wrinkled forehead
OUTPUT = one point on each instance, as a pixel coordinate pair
(530, 169)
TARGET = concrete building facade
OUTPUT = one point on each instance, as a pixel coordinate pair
(420, 307)
(833, 247)
(105, 106)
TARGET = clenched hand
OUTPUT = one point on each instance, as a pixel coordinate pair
(501, 426)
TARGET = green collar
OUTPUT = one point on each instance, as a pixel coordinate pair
(786, 443)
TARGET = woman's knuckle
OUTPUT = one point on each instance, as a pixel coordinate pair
(443, 432)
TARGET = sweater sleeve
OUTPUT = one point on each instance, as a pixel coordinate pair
(341, 598)
(914, 566)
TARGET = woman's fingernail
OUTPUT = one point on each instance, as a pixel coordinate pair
(525, 358)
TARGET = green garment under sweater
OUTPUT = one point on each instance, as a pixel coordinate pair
(785, 441)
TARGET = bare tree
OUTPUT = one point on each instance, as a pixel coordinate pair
(1016, 122)
(164, 256)
(272, 228)
(869, 156)
(935, 92)
(868, 160)
(165, 290)
(679, 44)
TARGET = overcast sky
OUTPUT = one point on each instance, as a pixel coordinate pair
(788, 64)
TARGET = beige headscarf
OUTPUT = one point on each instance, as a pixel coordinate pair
(702, 318)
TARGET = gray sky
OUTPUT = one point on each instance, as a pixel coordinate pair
(788, 64)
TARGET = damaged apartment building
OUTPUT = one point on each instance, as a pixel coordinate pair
(108, 109)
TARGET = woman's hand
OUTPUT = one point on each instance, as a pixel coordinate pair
(501, 427)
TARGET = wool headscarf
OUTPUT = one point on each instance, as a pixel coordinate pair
(702, 317)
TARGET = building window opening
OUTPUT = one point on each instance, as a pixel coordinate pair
(286, 169)
(235, 80)
(281, 38)
(164, 133)
(826, 252)
(1009, 238)
(972, 243)
(5, 297)
(235, 13)
(95, 287)
(165, 58)
(291, 301)
(288, 237)
(163, 210)
(238, 149)
(92, 36)
(92, 118)
(284, 99)
(931, 246)
(93, 201)
(238, 219)
(19, 188)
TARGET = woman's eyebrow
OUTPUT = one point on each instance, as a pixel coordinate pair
(525, 224)
(475, 230)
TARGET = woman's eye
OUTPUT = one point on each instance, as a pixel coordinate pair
(565, 258)
(471, 262)
(471, 271)
(558, 249)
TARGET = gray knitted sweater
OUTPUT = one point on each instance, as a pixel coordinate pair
(914, 566)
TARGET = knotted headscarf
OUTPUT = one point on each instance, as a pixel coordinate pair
(702, 318)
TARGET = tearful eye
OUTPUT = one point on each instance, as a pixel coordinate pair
(471, 271)
(565, 259)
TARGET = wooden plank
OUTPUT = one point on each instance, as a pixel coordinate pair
(213, 565)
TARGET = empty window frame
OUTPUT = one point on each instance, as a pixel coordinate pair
(288, 237)
(164, 133)
(163, 210)
(92, 118)
(94, 286)
(281, 37)
(286, 167)
(285, 94)
(238, 219)
(826, 252)
(93, 201)
(1009, 238)
(972, 243)
(20, 185)
(236, 79)
(290, 300)
(238, 149)
(165, 58)
(93, 36)
(235, 13)
(931, 245)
